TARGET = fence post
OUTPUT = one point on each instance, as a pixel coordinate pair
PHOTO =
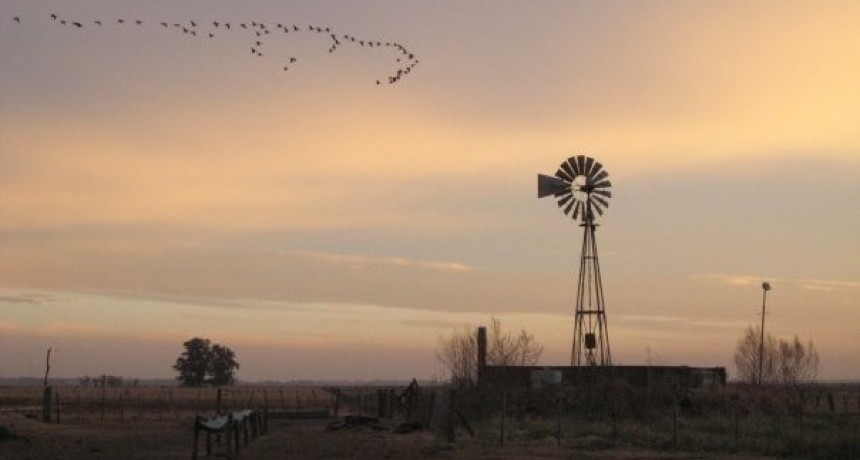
(737, 428)
(452, 395)
(232, 435)
(558, 419)
(196, 437)
(336, 401)
(504, 414)
(675, 425)
(57, 405)
(245, 423)
(380, 403)
(104, 398)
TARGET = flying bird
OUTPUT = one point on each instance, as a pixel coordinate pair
(17, 19)
(77, 24)
(54, 16)
(98, 23)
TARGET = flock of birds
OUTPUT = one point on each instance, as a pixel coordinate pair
(260, 33)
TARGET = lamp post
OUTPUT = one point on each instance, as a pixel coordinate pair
(765, 287)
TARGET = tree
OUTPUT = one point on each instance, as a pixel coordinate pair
(783, 362)
(458, 352)
(797, 363)
(223, 365)
(203, 363)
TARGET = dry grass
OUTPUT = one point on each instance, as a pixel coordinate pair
(157, 422)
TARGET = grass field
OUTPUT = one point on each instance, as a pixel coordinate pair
(156, 422)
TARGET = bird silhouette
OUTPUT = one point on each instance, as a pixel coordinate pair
(17, 19)
(404, 60)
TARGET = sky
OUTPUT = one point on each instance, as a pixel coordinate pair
(157, 186)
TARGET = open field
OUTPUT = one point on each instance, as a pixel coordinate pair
(171, 439)
(157, 423)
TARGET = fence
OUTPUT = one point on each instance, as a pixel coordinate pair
(111, 404)
(247, 423)
(818, 422)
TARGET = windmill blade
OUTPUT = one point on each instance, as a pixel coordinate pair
(603, 184)
(598, 177)
(598, 167)
(566, 168)
(580, 164)
(563, 201)
(571, 162)
(597, 207)
(576, 211)
(570, 205)
(605, 193)
(589, 162)
(600, 200)
(550, 185)
(564, 175)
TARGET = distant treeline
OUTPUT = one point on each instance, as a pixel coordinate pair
(107, 381)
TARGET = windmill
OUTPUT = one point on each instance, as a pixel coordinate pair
(581, 188)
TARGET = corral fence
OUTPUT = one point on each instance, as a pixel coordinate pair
(813, 421)
(87, 404)
(72, 404)
(234, 427)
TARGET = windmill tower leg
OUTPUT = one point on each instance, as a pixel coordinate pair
(590, 331)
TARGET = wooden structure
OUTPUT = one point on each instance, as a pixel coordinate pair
(236, 427)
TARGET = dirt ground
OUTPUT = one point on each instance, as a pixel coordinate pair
(287, 439)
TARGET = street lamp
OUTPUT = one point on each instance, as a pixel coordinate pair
(765, 287)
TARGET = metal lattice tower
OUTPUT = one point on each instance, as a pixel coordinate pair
(580, 188)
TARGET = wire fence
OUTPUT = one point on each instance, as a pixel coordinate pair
(809, 421)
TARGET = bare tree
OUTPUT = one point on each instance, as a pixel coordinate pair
(459, 351)
(797, 363)
(784, 362)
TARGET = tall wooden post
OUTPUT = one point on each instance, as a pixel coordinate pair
(46, 404)
(482, 353)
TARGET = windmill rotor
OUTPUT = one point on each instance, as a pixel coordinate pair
(580, 186)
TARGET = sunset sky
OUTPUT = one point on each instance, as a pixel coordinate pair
(156, 186)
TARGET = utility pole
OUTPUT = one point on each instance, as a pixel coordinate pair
(765, 287)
